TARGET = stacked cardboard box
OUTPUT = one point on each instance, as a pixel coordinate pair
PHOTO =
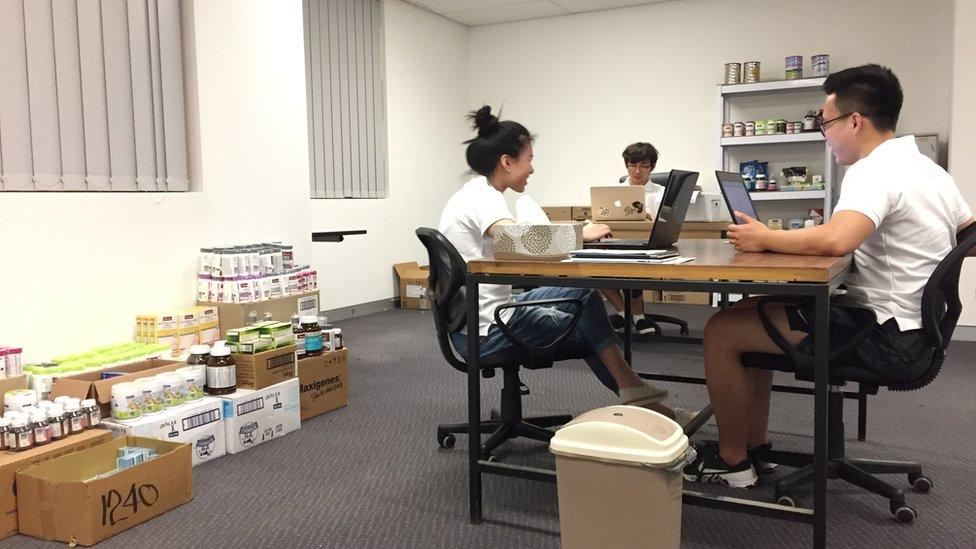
(198, 423)
(253, 417)
(324, 383)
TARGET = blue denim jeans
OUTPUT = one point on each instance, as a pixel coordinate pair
(539, 325)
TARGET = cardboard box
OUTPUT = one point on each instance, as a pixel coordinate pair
(264, 369)
(687, 298)
(582, 213)
(652, 296)
(323, 383)
(11, 462)
(235, 315)
(198, 423)
(253, 417)
(65, 499)
(91, 384)
(13, 383)
(559, 213)
(413, 281)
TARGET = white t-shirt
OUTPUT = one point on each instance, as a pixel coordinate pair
(466, 217)
(916, 209)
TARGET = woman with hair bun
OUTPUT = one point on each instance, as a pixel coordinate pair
(501, 156)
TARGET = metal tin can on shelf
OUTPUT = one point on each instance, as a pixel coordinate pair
(750, 128)
(789, 127)
(727, 129)
(738, 129)
(751, 72)
(760, 127)
(771, 126)
(820, 64)
(794, 74)
(733, 73)
(794, 63)
(781, 126)
(798, 126)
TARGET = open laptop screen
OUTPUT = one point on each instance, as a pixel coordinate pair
(736, 196)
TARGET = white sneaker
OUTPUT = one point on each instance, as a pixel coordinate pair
(683, 417)
(643, 395)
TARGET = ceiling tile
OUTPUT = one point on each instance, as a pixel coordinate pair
(502, 14)
(445, 7)
(577, 6)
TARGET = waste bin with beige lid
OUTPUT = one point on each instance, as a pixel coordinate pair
(618, 472)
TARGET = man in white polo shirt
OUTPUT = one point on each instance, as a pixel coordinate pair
(898, 213)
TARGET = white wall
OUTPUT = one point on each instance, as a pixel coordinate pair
(962, 144)
(589, 84)
(426, 87)
(77, 268)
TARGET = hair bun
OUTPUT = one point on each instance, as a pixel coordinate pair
(485, 122)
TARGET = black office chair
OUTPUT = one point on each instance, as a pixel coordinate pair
(447, 292)
(940, 311)
(657, 319)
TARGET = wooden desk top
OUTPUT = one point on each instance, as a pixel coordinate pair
(714, 259)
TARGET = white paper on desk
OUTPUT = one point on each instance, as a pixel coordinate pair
(611, 253)
(668, 261)
(528, 211)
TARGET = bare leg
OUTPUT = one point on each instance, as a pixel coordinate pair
(637, 305)
(614, 298)
(740, 396)
(625, 377)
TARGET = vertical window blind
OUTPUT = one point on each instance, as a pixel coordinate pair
(346, 98)
(91, 96)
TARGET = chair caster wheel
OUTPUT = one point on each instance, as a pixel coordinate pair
(921, 483)
(904, 514)
(446, 440)
(785, 499)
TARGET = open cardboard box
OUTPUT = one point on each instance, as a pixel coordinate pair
(413, 285)
(13, 383)
(70, 499)
(236, 315)
(11, 462)
(91, 384)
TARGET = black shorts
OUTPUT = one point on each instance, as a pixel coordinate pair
(899, 356)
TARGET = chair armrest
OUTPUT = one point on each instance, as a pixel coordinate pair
(798, 357)
(546, 351)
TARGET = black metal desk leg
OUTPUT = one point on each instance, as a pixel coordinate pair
(474, 402)
(820, 417)
(628, 326)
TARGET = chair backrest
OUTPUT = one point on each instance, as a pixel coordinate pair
(941, 306)
(446, 290)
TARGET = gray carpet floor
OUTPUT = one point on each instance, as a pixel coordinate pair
(372, 474)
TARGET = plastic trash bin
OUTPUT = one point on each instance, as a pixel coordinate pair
(618, 472)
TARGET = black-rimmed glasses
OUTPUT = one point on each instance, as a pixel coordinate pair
(822, 125)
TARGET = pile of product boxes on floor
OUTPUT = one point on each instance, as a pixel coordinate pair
(78, 484)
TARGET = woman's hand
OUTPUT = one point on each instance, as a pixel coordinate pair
(593, 232)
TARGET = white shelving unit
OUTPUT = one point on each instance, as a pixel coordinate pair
(764, 97)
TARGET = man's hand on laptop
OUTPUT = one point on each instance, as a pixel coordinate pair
(749, 236)
(593, 232)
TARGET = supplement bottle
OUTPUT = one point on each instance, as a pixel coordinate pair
(221, 372)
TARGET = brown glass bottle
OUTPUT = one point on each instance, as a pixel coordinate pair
(221, 372)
